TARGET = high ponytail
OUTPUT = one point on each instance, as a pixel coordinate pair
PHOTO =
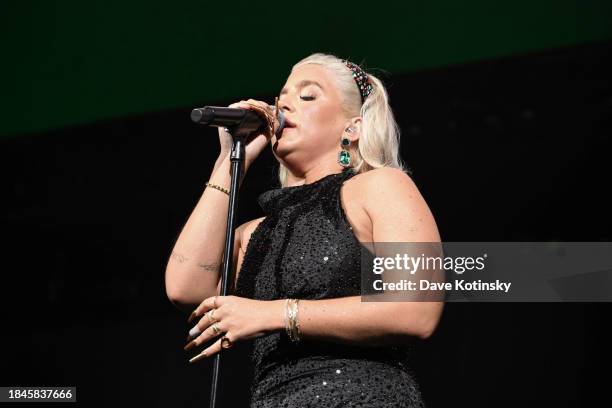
(378, 144)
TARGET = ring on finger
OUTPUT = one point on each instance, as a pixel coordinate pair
(210, 315)
(215, 327)
(226, 343)
(215, 301)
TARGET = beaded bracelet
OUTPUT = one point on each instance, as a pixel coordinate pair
(226, 191)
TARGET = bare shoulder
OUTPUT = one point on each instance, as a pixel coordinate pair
(394, 205)
(384, 181)
(385, 174)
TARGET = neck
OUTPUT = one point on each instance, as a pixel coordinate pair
(316, 171)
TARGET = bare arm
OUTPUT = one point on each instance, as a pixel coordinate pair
(349, 320)
(192, 272)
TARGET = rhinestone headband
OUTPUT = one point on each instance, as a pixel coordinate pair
(361, 78)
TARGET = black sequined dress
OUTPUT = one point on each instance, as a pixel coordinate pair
(305, 249)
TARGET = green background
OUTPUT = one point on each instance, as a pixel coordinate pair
(73, 62)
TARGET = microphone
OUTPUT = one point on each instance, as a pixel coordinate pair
(236, 119)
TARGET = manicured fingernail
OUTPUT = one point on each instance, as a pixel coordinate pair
(198, 357)
(191, 316)
(195, 331)
(190, 346)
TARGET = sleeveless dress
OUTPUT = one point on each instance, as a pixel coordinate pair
(305, 249)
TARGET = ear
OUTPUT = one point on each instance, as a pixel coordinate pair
(355, 125)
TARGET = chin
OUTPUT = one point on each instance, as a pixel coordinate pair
(284, 145)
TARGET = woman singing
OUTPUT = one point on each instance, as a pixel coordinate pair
(297, 282)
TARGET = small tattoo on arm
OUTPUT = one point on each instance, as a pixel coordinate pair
(182, 259)
(178, 257)
(209, 267)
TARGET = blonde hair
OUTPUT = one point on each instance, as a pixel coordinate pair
(378, 144)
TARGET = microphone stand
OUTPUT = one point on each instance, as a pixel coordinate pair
(237, 156)
(239, 132)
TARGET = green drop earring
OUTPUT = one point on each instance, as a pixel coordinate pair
(344, 157)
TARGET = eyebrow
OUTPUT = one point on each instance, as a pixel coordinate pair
(302, 83)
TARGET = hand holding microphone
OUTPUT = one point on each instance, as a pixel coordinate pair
(257, 118)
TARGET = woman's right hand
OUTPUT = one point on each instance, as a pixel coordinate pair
(255, 143)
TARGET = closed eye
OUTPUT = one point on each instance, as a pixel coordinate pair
(307, 97)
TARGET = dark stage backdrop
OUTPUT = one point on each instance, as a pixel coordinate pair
(503, 149)
(71, 62)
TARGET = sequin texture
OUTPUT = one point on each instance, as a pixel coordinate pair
(305, 249)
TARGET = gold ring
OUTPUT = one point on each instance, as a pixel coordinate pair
(226, 343)
(210, 315)
(215, 327)
(215, 301)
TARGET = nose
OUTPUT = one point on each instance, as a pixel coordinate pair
(284, 104)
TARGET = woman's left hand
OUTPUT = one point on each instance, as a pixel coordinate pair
(236, 318)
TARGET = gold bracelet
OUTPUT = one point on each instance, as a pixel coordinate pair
(226, 191)
(292, 324)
